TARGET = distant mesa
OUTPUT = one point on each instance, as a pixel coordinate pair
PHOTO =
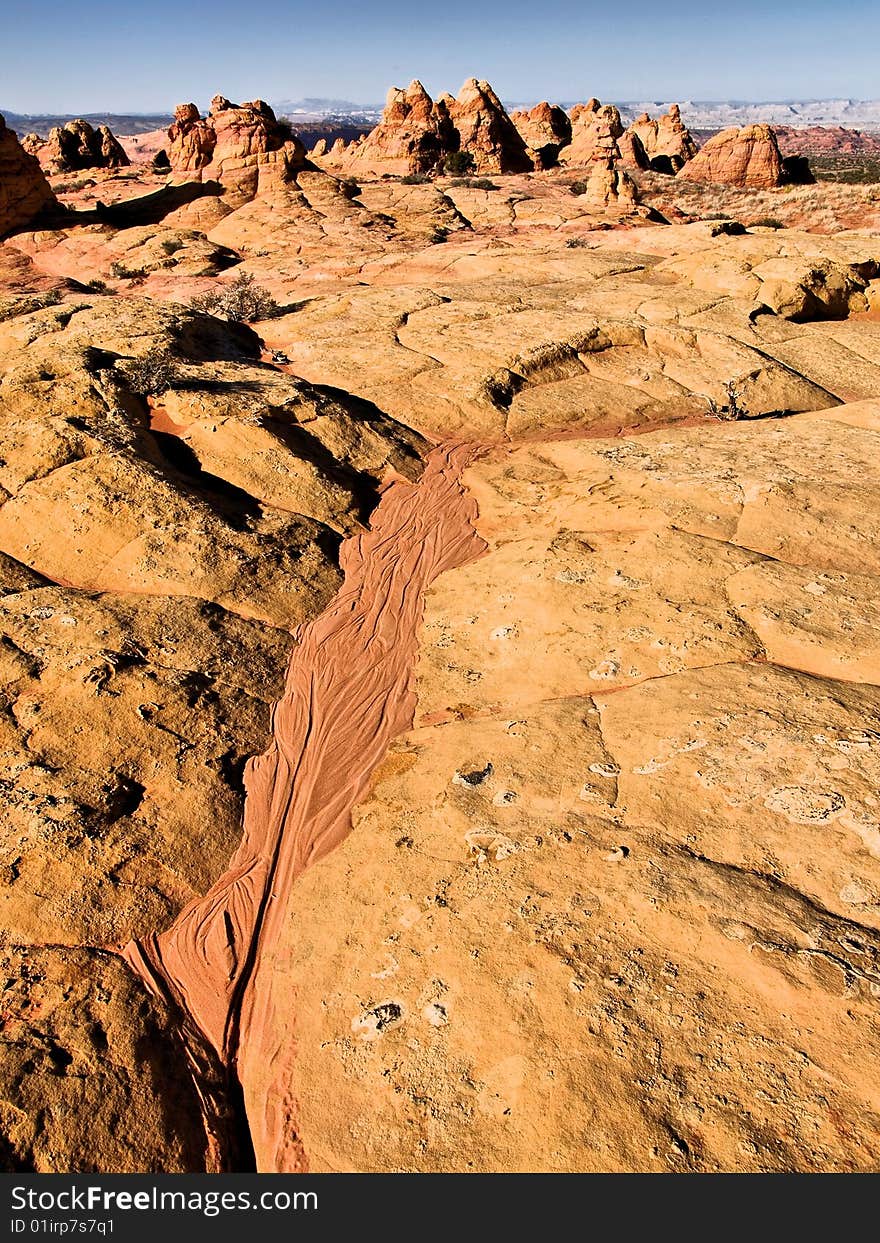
(24, 191)
(75, 146)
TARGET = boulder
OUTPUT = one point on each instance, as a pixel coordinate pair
(24, 190)
(738, 157)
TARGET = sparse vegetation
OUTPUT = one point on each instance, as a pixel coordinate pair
(123, 273)
(171, 245)
(733, 408)
(415, 179)
(577, 187)
(474, 183)
(459, 164)
(152, 374)
(438, 235)
(850, 169)
(242, 301)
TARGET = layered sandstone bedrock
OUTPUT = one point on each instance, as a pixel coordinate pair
(738, 157)
(611, 898)
(633, 835)
(24, 190)
(75, 146)
(666, 140)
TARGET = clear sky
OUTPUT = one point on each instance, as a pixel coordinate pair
(115, 55)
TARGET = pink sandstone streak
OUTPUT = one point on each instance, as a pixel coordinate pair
(349, 691)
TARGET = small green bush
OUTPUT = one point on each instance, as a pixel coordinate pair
(459, 163)
(474, 183)
(122, 273)
(415, 179)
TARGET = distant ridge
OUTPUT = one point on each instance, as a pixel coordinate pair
(119, 122)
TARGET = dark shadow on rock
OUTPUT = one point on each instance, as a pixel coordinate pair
(152, 208)
(206, 339)
(236, 505)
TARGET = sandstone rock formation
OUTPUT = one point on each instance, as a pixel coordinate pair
(545, 129)
(632, 153)
(24, 190)
(595, 130)
(666, 140)
(611, 896)
(414, 134)
(610, 185)
(486, 131)
(738, 157)
(192, 139)
(76, 145)
(243, 146)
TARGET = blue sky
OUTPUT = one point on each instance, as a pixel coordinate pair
(114, 55)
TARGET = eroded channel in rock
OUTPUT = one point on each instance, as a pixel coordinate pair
(349, 691)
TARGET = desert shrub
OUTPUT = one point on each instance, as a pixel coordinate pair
(438, 234)
(458, 163)
(574, 242)
(577, 187)
(123, 273)
(767, 222)
(241, 301)
(415, 179)
(97, 286)
(171, 245)
(474, 183)
(733, 408)
(151, 374)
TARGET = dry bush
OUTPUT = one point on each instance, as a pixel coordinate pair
(151, 374)
(242, 301)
